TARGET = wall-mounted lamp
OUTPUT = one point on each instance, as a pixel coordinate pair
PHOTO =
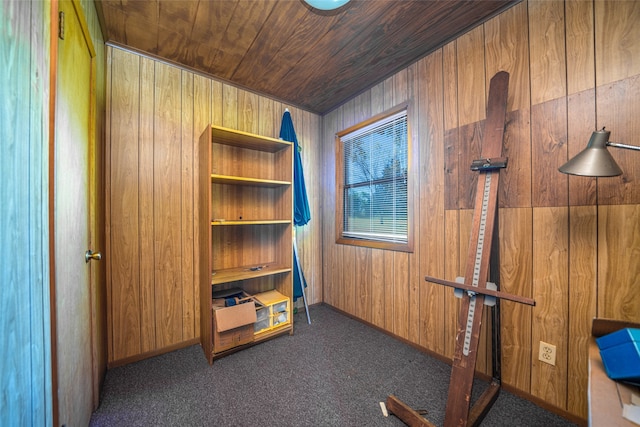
(595, 160)
(326, 4)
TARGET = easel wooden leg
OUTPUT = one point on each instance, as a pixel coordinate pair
(484, 403)
(405, 413)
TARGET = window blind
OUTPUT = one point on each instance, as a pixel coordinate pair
(375, 180)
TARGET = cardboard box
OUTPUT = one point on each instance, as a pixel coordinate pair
(233, 326)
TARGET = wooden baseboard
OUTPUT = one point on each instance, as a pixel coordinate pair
(147, 355)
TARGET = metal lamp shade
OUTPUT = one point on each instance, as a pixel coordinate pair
(595, 160)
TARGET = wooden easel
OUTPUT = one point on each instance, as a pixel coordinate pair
(474, 289)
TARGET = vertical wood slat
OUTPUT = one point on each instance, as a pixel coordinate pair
(187, 207)
(471, 86)
(389, 295)
(583, 268)
(167, 197)
(465, 225)
(618, 114)
(450, 89)
(349, 283)
(431, 221)
(413, 210)
(548, 139)
(452, 270)
(315, 185)
(581, 122)
(618, 269)
(331, 122)
(580, 45)
(202, 117)
(515, 179)
(451, 164)
(547, 50)
(311, 157)
(401, 294)
(123, 290)
(505, 45)
(378, 303)
(516, 278)
(216, 103)
(451, 124)
(145, 172)
(362, 269)
(470, 139)
(617, 35)
(551, 293)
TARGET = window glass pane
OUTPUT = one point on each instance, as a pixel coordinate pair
(375, 181)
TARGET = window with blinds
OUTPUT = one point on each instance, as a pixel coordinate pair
(375, 164)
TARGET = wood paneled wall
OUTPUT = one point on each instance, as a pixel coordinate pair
(155, 115)
(568, 242)
(25, 314)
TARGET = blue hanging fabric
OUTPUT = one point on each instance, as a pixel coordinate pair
(301, 213)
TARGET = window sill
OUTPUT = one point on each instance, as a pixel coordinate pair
(399, 247)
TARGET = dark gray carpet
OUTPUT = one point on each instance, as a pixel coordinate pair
(333, 372)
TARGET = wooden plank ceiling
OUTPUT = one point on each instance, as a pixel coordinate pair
(285, 49)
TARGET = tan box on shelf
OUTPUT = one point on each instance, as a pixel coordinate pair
(233, 326)
(276, 311)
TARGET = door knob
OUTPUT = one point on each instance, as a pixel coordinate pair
(89, 255)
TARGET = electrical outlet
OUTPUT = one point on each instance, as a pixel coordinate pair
(547, 353)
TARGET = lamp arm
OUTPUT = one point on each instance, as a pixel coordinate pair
(619, 145)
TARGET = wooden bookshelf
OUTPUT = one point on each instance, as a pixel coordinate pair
(245, 220)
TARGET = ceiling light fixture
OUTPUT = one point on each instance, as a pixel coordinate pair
(326, 4)
(595, 160)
